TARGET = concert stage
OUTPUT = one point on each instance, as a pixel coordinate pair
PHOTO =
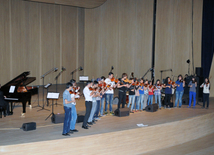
(168, 129)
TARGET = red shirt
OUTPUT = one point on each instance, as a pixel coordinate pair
(151, 91)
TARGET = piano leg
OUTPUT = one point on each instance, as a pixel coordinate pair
(24, 106)
(11, 107)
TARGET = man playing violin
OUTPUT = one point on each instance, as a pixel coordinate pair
(123, 86)
(109, 93)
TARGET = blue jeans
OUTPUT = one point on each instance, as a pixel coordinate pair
(67, 120)
(102, 104)
(93, 109)
(158, 99)
(97, 109)
(150, 99)
(73, 117)
(137, 101)
(192, 94)
(141, 101)
(179, 95)
(109, 101)
(131, 100)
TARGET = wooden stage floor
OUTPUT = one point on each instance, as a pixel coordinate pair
(10, 132)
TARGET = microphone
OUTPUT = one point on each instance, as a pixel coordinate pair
(55, 69)
(63, 69)
(80, 69)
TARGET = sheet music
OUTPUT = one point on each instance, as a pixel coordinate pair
(12, 89)
(53, 95)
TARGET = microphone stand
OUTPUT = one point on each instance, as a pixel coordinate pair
(56, 78)
(79, 68)
(74, 72)
(43, 91)
(164, 71)
(146, 73)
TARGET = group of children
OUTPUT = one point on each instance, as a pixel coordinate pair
(99, 96)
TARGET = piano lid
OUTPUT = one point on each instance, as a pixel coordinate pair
(20, 80)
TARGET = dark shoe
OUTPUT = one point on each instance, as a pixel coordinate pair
(71, 132)
(90, 123)
(179, 106)
(193, 107)
(88, 126)
(207, 108)
(75, 130)
(84, 127)
(66, 134)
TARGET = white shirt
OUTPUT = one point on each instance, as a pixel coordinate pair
(108, 81)
(87, 93)
(206, 88)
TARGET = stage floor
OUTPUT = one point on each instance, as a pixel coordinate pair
(10, 132)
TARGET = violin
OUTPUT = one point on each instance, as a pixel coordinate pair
(114, 80)
(127, 81)
(171, 82)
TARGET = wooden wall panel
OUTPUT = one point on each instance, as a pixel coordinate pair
(69, 40)
(116, 33)
(4, 41)
(36, 37)
(109, 39)
(197, 31)
(144, 26)
(49, 41)
(174, 36)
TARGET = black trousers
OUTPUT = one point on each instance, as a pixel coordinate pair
(206, 99)
(122, 98)
(88, 105)
(167, 99)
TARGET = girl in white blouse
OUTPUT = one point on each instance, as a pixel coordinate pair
(206, 92)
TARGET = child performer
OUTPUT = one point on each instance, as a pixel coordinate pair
(206, 92)
(158, 93)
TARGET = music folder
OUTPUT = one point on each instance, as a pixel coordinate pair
(52, 95)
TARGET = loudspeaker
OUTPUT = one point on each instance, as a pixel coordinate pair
(29, 126)
(185, 101)
(122, 112)
(199, 71)
(80, 118)
(57, 118)
(152, 108)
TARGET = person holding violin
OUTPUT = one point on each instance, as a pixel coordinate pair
(146, 93)
(98, 98)
(141, 92)
(192, 92)
(122, 86)
(131, 95)
(96, 94)
(206, 92)
(75, 89)
(88, 103)
(158, 93)
(109, 93)
(168, 92)
(103, 95)
(180, 84)
(67, 100)
(151, 93)
(137, 94)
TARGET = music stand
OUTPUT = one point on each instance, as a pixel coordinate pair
(53, 96)
(43, 81)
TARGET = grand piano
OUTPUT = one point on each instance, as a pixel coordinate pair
(17, 90)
